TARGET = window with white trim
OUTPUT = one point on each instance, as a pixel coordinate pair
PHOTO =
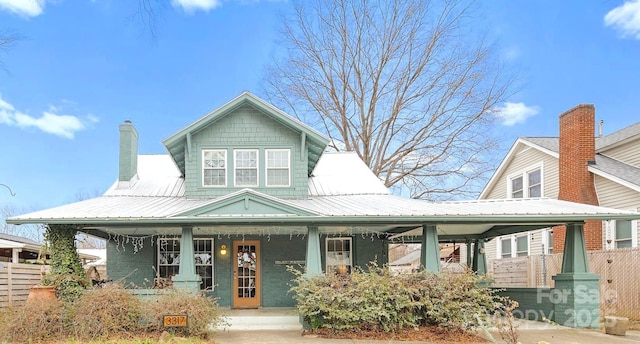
(623, 234)
(527, 184)
(535, 183)
(214, 167)
(278, 167)
(516, 187)
(169, 259)
(548, 241)
(245, 164)
(338, 255)
(522, 246)
(505, 249)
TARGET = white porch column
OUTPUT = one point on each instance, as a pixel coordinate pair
(15, 255)
(313, 258)
(187, 279)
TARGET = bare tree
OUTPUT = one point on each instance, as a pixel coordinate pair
(408, 85)
(34, 232)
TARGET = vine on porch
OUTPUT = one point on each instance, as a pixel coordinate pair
(67, 274)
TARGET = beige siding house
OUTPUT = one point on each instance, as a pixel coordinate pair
(532, 169)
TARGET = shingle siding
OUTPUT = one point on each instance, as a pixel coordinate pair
(246, 128)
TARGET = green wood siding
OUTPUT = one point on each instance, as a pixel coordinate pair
(246, 128)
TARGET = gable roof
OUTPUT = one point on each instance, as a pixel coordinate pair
(177, 143)
(606, 167)
(543, 144)
(343, 173)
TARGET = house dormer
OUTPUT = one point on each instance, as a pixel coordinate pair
(246, 143)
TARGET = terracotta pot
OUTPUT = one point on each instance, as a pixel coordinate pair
(41, 292)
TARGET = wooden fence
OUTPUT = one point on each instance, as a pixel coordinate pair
(619, 272)
(15, 280)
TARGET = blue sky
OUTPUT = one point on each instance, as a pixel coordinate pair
(82, 67)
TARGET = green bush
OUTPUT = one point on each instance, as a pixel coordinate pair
(202, 312)
(104, 312)
(378, 299)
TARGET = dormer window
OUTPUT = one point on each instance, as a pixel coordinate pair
(245, 167)
(214, 167)
(278, 167)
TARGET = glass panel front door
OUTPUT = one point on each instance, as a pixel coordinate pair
(246, 274)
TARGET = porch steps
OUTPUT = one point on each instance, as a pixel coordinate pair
(262, 319)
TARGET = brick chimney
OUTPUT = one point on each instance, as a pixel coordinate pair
(128, 166)
(577, 152)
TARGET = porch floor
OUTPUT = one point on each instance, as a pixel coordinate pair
(270, 318)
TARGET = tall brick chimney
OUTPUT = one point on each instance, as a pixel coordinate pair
(577, 151)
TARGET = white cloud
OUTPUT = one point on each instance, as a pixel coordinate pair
(514, 113)
(29, 8)
(60, 125)
(191, 6)
(625, 18)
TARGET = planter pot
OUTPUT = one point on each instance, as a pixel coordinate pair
(616, 325)
(41, 292)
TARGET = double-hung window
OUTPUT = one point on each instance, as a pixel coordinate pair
(339, 255)
(278, 167)
(522, 246)
(245, 164)
(214, 167)
(624, 234)
(525, 184)
(169, 259)
(505, 250)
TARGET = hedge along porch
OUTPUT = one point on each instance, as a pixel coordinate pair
(261, 183)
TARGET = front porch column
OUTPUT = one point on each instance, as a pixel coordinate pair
(187, 278)
(15, 255)
(479, 265)
(576, 295)
(313, 259)
(469, 254)
(430, 250)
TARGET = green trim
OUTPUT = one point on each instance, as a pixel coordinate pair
(177, 143)
(430, 250)
(247, 196)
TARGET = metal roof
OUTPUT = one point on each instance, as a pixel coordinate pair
(343, 173)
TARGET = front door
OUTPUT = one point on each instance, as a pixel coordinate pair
(246, 274)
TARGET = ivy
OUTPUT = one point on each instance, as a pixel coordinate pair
(67, 273)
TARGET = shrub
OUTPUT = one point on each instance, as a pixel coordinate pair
(202, 312)
(38, 320)
(378, 299)
(105, 312)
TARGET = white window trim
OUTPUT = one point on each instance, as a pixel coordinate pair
(514, 249)
(634, 233)
(326, 251)
(546, 245)
(224, 151)
(525, 180)
(266, 164)
(513, 238)
(257, 168)
(213, 255)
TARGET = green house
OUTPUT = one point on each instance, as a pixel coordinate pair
(248, 190)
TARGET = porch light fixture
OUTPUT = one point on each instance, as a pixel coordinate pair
(223, 250)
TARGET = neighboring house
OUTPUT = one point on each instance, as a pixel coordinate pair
(577, 166)
(247, 190)
(16, 249)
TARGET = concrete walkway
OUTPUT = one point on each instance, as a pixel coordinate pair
(275, 326)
